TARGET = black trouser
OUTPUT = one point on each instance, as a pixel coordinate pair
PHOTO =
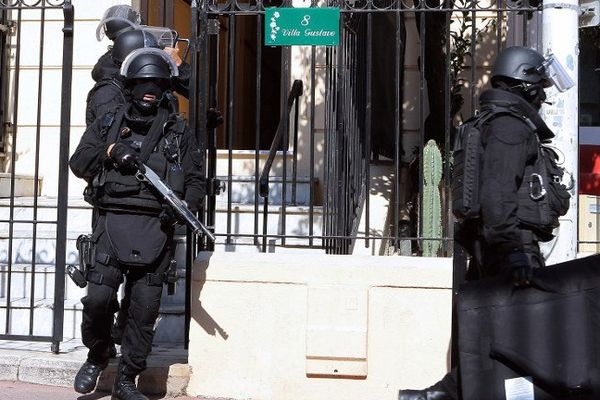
(118, 327)
(101, 303)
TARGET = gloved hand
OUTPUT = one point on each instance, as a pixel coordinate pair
(124, 156)
(191, 205)
(167, 216)
(214, 118)
(522, 270)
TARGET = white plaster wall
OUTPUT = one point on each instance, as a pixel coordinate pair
(262, 324)
(86, 51)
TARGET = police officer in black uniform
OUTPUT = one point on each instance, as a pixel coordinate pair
(513, 218)
(117, 24)
(107, 92)
(133, 234)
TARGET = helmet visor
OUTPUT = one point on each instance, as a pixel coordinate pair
(165, 37)
(122, 13)
(557, 74)
(149, 50)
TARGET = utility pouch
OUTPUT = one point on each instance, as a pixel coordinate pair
(136, 240)
(85, 247)
(468, 152)
(176, 179)
(558, 193)
(171, 278)
(118, 184)
(76, 275)
(542, 196)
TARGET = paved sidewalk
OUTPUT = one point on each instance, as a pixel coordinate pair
(28, 391)
(26, 363)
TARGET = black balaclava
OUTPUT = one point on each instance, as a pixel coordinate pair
(533, 93)
(139, 88)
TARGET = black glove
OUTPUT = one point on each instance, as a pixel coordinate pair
(192, 204)
(522, 270)
(167, 216)
(214, 118)
(124, 156)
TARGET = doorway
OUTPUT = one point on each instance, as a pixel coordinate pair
(237, 74)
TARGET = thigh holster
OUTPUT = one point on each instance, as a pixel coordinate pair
(99, 278)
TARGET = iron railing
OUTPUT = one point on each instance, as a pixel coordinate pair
(280, 140)
(356, 115)
(28, 121)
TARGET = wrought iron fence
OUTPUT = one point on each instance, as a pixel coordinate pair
(29, 125)
(405, 73)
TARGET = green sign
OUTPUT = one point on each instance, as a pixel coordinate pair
(302, 26)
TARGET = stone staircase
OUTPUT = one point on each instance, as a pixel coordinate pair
(29, 288)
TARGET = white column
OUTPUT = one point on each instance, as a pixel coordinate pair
(561, 37)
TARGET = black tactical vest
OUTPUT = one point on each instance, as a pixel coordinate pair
(542, 198)
(160, 150)
(112, 86)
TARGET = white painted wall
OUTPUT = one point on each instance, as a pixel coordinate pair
(86, 51)
(264, 327)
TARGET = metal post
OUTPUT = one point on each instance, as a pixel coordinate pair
(562, 115)
(63, 183)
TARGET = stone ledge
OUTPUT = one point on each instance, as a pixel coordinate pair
(167, 374)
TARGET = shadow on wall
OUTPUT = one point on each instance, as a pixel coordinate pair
(200, 314)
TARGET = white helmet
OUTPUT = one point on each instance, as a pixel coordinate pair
(116, 20)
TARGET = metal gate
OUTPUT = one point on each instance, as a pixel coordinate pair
(35, 124)
(405, 72)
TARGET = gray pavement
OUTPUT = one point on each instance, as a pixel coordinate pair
(30, 367)
(28, 391)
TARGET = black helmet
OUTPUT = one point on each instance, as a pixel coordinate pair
(148, 63)
(520, 64)
(129, 41)
(116, 20)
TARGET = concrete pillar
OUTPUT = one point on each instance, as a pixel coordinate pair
(561, 37)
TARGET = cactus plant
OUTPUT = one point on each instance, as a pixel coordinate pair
(432, 209)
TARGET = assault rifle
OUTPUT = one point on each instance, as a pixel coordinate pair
(146, 174)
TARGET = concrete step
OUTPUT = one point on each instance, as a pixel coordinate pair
(243, 187)
(43, 277)
(78, 221)
(167, 372)
(43, 317)
(243, 221)
(80, 214)
(243, 162)
(169, 327)
(24, 184)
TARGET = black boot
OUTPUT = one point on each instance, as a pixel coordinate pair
(125, 389)
(426, 394)
(87, 377)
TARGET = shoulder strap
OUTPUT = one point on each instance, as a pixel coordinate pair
(490, 113)
(179, 124)
(154, 134)
(113, 82)
(117, 120)
(107, 120)
(494, 111)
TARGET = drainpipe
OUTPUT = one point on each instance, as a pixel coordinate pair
(561, 37)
